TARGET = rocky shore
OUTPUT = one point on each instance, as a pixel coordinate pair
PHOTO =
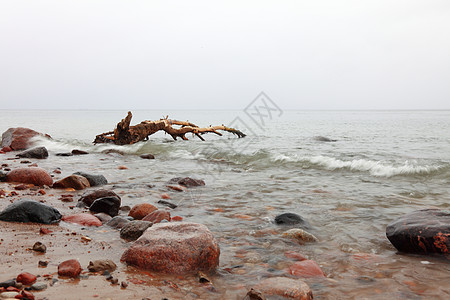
(72, 237)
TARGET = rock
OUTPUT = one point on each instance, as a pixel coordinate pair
(157, 216)
(83, 219)
(291, 219)
(89, 198)
(26, 295)
(9, 295)
(285, 287)
(323, 139)
(294, 255)
(94, 180)
(422, 231)
(139, 211)
(26, 278)
(254, 295)
(38, 152)
(134, 229)
(117, 222)
(102, 265)
(39, 247)
(8, 283)
(73, 181)
(19, 138)
(306, 268)
(79, 152)
(64, 154)
(69, 268)
(300, 235)
(30, 211)
(39, 286)
(107, 205)
(147, 156)
(103, 217)
(187, 181)
(168, 204)
(36, 176)
(174, 248)
(43, 263)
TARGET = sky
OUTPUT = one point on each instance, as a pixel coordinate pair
(321, 54)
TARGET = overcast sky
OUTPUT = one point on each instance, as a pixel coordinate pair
(220, 54)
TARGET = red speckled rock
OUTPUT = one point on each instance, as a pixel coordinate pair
(26, 278)
(139, 211)
(69, 268)
(157, 216)
(285, 287)
(174, 248)
(36, 176)
(421, 231)
(306, 268)
(73, 181)
(83, 219)
(19, 138)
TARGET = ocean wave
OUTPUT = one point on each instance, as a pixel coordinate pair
(375, 168)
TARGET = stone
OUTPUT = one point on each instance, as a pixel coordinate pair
(103, 217)
(107, 205)
(422, 231)
(285, 287)
(139, 211)
(39, 286)
(300, 235)
(79, 152)
(157, 216)
(254, 295)
(69, 268)
(101, 265)
(9, 295)
(187, 181)
(33, 175)
(174, 248)
(117, 222)
(26, 295)
(147, 156)
(19, 138)
(291, 219)
(83, 219)
(76, 182)
(134, 229)
(94, 180)
(168, 204)
(306, 268)
(26, 210)
(64, 154)
(39, 247)
(26, 278)
(90, 197)
(7, 283)
(38, 152)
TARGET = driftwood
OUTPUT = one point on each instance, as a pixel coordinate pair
(124, 134)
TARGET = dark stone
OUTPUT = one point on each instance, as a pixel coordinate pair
(88, 198)
(107, 205)
(79, 152)
(94, 180)
(187, 181)
(167, 203)
(103, 217)
(254, 295)
(421, 231)
(8, 283)
(3, 176)
(64, 154)
(323, 139)
(38, 152)
(147, 156)
(134, 229)
(39, 247)
(291, 219)
(30, 211)
(117, 222)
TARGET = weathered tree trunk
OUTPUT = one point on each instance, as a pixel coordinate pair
(124, 134)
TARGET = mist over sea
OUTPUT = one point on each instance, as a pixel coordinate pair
(349, 173)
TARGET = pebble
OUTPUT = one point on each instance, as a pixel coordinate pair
(300, 235)
(9, 295)
(43, 263)
(123, 285)
(39, 247)
(39, 286)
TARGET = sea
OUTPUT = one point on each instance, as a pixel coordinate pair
(348, 173)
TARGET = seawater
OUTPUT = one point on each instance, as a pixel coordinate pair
(382, 164)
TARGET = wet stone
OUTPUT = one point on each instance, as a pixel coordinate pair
(291, 219)
(134, 229)
(64, 154)
(39, 286)
(88, 198)
(108, 205)
(94, 180)
(102, 265)
(117, 222)
(38, 152)
(168, 204)
(30, 211)
(39, 247)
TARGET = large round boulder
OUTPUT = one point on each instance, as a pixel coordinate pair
(421, 231)
(33, 175)
(18, 138)
(174, 248)
(30, 211)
